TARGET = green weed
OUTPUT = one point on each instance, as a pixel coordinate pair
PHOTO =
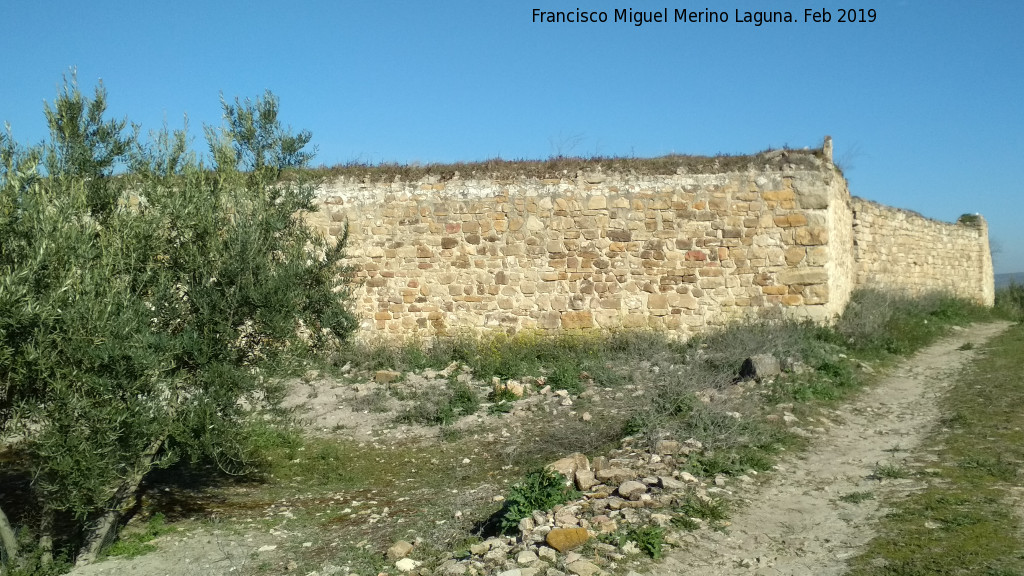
(705, 508)
(685, 523)
(963, 521)
(134, 544)
(542, 489)
(649, 539)
(856, 497)
(891, 471)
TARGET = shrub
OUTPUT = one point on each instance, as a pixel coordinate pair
(566, 376)
(443, 406)
(1010, 301)
(879, 321)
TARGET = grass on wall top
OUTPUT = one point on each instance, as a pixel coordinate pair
(565, 166)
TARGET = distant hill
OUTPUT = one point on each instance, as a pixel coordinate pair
(1003, 280)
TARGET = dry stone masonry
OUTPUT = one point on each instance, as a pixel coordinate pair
(672, 252)
(903, 250)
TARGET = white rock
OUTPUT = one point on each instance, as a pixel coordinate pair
(407, 565)
(526, 557)
(548, 554)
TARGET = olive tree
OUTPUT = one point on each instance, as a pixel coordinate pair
(147, 300)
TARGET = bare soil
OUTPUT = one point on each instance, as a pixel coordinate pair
(793, 521)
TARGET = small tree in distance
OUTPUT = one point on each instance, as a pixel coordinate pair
(138, 310)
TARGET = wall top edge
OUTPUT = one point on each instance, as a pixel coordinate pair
(968, 220)
(574, 168)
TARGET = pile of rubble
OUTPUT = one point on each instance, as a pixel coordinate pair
(630, 489)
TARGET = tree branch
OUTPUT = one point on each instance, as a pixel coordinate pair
(8, 542)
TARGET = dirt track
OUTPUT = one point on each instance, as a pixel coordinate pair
(795, 523)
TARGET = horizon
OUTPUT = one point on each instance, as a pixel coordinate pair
(920, 103)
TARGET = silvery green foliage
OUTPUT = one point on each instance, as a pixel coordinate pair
(143, 294)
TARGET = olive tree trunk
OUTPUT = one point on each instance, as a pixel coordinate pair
(8, 542)
(106, 527)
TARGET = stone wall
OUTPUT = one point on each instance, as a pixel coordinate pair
(902, 250)
(677, 252)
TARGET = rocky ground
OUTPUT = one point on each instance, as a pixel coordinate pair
(799, 519)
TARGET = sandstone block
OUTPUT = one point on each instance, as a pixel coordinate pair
(583, 567)
(631, 489)
(667, 447)
(803, 276)
(399, 549)
(569, 465)
(811, 235)
(574, 320)
(386, 376)
(565, 539)
(585, 480)
(760, 366)
(657, 301)
(614, 476)
(795, 255)
(407, 565)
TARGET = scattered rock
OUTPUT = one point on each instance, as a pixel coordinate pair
(565, 539)
(399, 550)
(661, 519)
(614, 475)
(794, 365)
(760, 366)
(407, 565)
(453, 567)
(526, 524)
(670, 483)
(496, 555)
(583, 567)
(526, 557)
(570, 464)
(585, 480)
(667, 447)
(632, 489)
(512, 386)
(566, 517)
(547, 554)
(386, 376)
(688, 478)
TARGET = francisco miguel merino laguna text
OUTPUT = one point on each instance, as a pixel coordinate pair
(640, 17)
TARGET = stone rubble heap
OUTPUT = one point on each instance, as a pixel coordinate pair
(630, 489)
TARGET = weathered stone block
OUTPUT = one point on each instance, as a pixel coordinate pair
(565, 539)
(803, 276)
(577, 320)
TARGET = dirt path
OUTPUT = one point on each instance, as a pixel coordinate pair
(795, 523)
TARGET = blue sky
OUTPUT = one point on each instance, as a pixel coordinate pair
(924, 104)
